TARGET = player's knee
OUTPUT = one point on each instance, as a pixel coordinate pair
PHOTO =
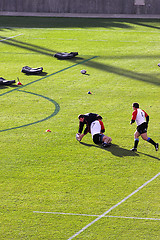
(145, 138)
(135, 135)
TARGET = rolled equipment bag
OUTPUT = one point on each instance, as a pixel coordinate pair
(6, 82)
(29, 70)
(65, 55)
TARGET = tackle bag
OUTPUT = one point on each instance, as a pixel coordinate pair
(65, 55)
(6, 82)
(29, 70)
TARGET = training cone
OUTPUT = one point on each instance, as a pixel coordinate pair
(19, 83)
(89, 92)
(48, 130)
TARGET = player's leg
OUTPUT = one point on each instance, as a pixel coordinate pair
(97, 138)
(106, 139)
(150, 140)
(136, 141)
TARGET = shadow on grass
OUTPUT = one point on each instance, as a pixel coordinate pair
(28, 46)
(124, 72)
(148, 78)
(7, 22)
(144, 24)
(3, 86)
(114, 149)
(40, 74)
(56, 22)
(150, 156)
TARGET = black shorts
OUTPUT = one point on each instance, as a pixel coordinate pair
(97, 138)
(142, 128)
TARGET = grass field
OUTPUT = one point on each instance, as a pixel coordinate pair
(52, 186)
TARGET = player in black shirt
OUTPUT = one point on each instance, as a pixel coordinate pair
(87, 119)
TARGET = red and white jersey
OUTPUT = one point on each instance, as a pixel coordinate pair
(139, 116)
(102, 126)
(95, 127)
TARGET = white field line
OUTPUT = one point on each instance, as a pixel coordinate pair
(89, 40)
(91, 215)
(116, 205)
(83, 29)
(139, 218)
(74, 214)
(10, 37)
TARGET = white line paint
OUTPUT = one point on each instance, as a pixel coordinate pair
(101, 216)
(85, 29)
(74, 214)
(89, 40)
(91, 215)
(139, 218)
(4, 39)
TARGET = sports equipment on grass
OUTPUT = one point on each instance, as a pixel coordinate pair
(6, 82)
(65, 55)
(78, 136)
(19, 83)
(48, 130)
(31, 71)
(83, 71)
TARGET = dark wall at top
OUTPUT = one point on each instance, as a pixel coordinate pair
(81, 6)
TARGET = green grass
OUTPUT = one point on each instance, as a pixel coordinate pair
(52, 172)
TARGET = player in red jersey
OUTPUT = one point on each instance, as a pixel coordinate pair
(142, 119)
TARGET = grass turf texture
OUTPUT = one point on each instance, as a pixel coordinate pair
(52, 172)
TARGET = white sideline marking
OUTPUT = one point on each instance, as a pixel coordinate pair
(155, 219)
(74, 214)
(98, 218)
(95, 40)
(80, 29)
(10, 37)
(91, 215)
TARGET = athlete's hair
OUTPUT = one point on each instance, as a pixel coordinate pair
(80, 116)
(136, 105)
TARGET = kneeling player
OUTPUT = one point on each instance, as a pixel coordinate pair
(97, 130)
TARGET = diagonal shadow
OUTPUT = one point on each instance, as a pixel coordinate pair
(114, 149)
(28, 46)
(63, 22)
(145, 25)
(148, 155)
(38, 74)
(6, 29)
(124, 72)
(131, 57)
(108, 68)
